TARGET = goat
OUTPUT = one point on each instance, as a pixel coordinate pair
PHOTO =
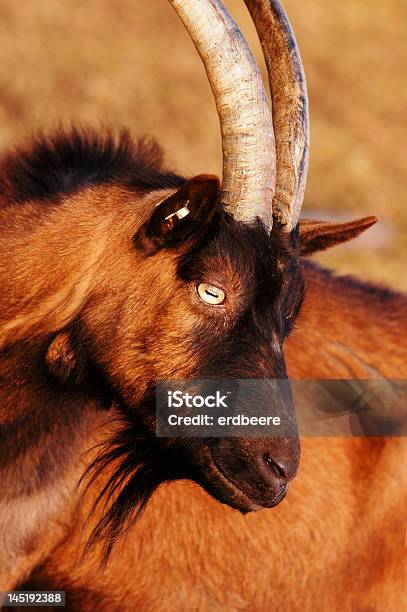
(120, 300)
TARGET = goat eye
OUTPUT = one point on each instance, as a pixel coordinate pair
(210, 294)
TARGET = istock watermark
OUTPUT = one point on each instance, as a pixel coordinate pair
(178, 399)
(247, 407)
(224, 408)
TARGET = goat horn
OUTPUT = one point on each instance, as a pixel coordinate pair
(246, 124)
(289, 106)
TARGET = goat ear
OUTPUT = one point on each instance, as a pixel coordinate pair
(320, 235)
(181, 217)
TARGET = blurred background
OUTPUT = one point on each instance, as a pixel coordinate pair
(130, 62)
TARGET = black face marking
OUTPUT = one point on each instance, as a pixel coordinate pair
(264, 284)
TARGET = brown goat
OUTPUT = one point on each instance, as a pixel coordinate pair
(117, 274)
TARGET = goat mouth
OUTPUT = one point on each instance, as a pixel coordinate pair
(229, 492)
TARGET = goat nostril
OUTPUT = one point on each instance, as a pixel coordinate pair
(278, 470)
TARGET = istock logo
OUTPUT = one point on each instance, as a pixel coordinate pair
(178, 399)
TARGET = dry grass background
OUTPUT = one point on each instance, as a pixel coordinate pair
(129, 62)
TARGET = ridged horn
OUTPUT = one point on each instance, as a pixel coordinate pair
(289, 107)
(246, 124)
